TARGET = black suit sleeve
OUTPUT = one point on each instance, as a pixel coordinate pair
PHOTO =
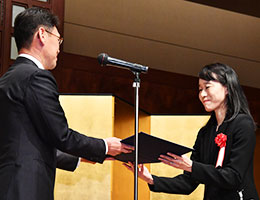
(42, 103)
(181, 184)
(66, 161)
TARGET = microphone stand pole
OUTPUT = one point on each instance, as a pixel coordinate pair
(136, 85)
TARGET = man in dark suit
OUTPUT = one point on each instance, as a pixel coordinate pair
(32, 121)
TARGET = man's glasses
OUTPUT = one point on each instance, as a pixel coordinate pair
(60, 39)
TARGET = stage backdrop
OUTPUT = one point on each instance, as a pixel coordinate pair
(106, 116)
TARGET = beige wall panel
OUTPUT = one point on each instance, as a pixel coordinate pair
(176, 22)
(91, 42)
(182, 130)
(123, 179)
(93, 116)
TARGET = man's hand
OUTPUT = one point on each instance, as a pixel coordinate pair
(87, 161)
(116, 147)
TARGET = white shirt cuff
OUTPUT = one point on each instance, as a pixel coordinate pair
(106, 146)
(78, 162)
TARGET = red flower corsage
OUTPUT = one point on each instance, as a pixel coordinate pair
(221, 140)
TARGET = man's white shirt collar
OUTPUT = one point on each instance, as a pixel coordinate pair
(37, 62)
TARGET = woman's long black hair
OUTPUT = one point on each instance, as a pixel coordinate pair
(236, 99)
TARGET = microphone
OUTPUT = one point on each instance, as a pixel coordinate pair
(104, 60)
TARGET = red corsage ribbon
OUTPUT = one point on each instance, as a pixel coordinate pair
(221, 140)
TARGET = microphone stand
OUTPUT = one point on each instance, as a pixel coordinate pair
(104, 59)
(136, 85)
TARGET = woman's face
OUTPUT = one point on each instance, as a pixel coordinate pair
(212, 95)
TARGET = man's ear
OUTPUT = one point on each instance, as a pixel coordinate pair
(42, 35)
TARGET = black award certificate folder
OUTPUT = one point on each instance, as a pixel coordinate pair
(150, 149)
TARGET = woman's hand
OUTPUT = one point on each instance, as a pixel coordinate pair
(179, 162)
(143, 172)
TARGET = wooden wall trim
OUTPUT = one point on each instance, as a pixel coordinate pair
(160, 93)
